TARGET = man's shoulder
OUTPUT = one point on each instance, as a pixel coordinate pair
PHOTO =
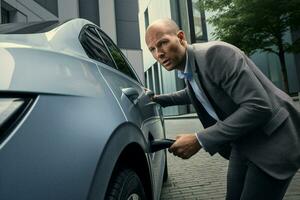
(214, 48)
(212, 45)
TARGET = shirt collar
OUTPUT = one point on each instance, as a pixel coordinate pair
(186, 74)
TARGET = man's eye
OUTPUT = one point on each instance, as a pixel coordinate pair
(165, 42)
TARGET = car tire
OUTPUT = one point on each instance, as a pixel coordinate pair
(166, 172)
(126, 185)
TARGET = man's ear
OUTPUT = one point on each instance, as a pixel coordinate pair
(181, 36)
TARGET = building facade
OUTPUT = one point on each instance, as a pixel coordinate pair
(118, 18)
(192, 20)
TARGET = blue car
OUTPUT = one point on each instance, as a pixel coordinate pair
(75, 120)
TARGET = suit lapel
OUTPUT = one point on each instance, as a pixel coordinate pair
(226, 150)
(192, 61)
(195, 72)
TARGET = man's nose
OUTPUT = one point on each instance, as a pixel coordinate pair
(160, 54)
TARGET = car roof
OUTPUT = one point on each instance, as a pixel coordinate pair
(49, 35)
(30, 27)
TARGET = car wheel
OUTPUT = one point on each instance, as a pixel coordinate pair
(126, 185)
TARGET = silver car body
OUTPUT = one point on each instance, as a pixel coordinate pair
(69, 141)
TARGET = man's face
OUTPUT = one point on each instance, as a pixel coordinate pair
(167, 48)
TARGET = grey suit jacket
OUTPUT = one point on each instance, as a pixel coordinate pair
(256, 117)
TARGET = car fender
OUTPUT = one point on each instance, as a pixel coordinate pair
(125, 134)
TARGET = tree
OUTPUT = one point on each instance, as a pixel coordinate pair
(255, 25)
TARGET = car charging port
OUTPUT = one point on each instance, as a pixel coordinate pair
(159, 144)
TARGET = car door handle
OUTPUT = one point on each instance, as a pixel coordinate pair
(159, 144)
(150, 94)
(132, 94)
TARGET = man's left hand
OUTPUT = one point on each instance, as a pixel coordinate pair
(185, 146)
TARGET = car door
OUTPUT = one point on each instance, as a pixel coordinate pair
(143, 112)
(130, 93)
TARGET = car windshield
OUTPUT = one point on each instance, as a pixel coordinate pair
(30, 27)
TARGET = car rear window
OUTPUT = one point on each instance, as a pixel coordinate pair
(94, 46)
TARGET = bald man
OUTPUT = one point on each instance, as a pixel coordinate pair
(246, 118)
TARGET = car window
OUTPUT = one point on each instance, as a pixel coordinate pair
(94, 46)
(118, 57)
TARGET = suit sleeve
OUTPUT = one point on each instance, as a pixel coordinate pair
(177, 98)
(228, 68)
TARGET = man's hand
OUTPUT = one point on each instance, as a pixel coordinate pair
(150, 94)
(185, 146)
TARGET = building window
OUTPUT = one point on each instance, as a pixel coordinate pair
(197, 21)
(150, 79)
(156, 79)
(175, 12)
(4, 16)
(184, 19)
(146, 80)
(179, 13)
(146, 17)
(190, 17)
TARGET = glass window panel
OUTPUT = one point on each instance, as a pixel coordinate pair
(185, 19)
(94, 47)
(118, 57)
(197, 19)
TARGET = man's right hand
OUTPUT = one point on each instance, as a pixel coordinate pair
(185, 146)
(150, 94)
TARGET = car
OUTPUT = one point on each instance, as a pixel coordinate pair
(75, 120)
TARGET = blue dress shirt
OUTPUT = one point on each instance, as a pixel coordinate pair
(199, 93)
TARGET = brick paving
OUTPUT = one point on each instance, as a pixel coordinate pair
(202, 176)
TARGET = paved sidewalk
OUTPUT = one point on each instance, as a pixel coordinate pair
(202, 176)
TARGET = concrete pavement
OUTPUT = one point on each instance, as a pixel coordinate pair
(202, 176)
